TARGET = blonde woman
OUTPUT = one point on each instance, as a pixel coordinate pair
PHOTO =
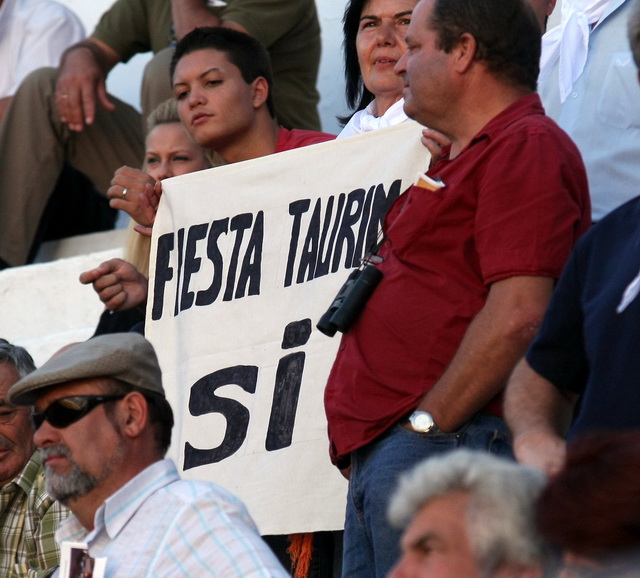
(169, 152)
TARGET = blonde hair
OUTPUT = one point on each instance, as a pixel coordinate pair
(138, 247)
(165, 113)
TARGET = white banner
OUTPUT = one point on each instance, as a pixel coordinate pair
(245, 260)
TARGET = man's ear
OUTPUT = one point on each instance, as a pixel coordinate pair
(134, 412)
(260, 91)
(464, 52)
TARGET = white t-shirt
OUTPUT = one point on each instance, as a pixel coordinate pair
(33, 34)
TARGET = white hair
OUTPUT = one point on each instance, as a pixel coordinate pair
(500, 515)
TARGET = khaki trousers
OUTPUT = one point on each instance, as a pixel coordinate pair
(34, 145)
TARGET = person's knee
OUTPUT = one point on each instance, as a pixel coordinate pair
(41, 80)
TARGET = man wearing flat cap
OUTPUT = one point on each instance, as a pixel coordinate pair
(104, 425)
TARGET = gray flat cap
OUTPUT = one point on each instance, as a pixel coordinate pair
(128, 357)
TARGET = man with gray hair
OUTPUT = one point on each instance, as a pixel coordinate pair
(103, 424)
(29, 516)
(468, 514)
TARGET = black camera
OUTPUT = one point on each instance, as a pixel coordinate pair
(349, 301)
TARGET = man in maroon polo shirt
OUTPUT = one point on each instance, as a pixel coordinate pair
(468, 264)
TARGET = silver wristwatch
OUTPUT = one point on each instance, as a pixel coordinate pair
(422, 422)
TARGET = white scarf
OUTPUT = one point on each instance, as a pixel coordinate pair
(365, 121)
(570, 40)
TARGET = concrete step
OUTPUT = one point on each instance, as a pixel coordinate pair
(80, 245)
(43, 306)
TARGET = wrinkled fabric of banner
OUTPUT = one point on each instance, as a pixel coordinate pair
(245, 260)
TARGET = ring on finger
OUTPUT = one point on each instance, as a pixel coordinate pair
(124, 193)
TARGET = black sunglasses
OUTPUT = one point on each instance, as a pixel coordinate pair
(67, 410)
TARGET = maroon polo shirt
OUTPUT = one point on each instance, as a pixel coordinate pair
(514, 203)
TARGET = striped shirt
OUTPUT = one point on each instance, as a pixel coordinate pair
(29, 517)
(160, 525)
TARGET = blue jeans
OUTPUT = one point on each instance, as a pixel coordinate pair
(371, 544)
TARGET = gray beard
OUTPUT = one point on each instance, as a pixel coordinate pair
(68, 486)
(77, 482)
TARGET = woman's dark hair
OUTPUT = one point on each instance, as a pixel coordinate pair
(357, 94)
(242, 50)
(592, 506)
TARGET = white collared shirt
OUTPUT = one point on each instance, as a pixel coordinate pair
(33, 34)
(160, 525)
(602, 112)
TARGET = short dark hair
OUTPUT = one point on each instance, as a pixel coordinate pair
(160, 412)
(242, 50)
(357, 94)
(507, 33)
(17, 357)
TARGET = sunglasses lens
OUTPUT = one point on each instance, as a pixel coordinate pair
(75, 403)
(36, 419)
(62, 413)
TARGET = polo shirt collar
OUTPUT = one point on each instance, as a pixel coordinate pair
(526, 105)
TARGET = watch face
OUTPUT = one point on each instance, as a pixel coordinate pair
(421, 421)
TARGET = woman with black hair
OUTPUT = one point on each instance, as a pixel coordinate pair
(374, 40)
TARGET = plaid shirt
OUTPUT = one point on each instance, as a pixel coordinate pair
(29, 518)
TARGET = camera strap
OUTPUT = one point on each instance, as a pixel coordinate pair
(372, 257)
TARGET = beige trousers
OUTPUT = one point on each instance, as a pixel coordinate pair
(34, 145)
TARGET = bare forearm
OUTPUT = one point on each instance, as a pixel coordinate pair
(105, 56)
(494, 342)
(538, 415)
(189, 14)
(534, 403)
